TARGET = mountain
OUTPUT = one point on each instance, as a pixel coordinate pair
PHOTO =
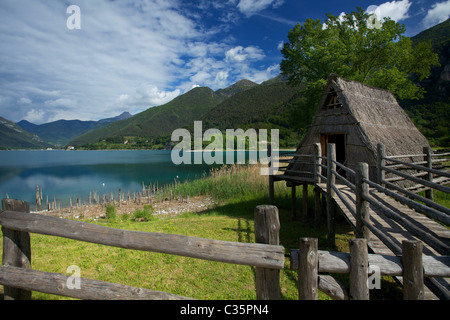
(60, 132)
(437, 84)
(253, 108)
(243, 105)
(14, 137)
(430, 114)
(157, 121)
(122, 116)
(26, 125)
(239, 86)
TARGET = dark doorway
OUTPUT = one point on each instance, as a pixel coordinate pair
(339, 140)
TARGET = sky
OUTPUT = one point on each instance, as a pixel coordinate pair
(111, 56)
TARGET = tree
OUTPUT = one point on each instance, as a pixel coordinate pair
(351, 47)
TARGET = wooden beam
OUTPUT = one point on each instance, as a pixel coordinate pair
(253, 254)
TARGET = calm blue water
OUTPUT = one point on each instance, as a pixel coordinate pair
(72, 174)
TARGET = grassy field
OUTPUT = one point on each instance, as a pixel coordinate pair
(238, 191)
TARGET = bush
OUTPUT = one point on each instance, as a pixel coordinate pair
(111, 212)
(145, 214)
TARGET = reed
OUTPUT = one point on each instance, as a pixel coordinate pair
(229, 181)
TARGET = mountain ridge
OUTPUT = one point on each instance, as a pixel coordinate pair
(58, 133)
(14, 137)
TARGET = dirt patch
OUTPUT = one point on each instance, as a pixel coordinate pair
(164, 208)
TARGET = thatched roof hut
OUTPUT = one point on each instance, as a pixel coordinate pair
(356, 117)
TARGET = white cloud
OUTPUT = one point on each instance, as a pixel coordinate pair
(35, 116)
(250, 7)
(263, 75)
(61, 102)
(396, 10)
(127, 55)
(280, 45)
(24, 101)
(438, 13)
(221, 78)
(144, 97)
(240, 54)
(200, 77)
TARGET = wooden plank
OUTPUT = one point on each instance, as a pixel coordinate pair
(392, 230)
(333, 288)
(56, 283)
(339, 262)
(253, 254)
(420, 181)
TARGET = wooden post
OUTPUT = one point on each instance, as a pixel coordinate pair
(317, 180)
(362, 205)
(317, 207)
(413, 288)
(308, 266)
(16, 249)
(294, 201)
(267, 228)
(429, 176)
(305, 202)
(381, 154)
(331, 180)
(271, 182)
(317, 162)
(359, 262)
(38, 200)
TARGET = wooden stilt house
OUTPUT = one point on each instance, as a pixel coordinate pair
(356, 118)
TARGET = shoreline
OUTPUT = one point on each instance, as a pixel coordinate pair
(165, 207)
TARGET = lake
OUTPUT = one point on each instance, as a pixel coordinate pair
(71, 174)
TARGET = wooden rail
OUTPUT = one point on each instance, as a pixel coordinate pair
(267, 255)
(364, 269)
(365, 200)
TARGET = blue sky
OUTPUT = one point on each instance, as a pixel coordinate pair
(130, 55)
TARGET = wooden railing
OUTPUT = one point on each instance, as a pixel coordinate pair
(19, 279)
(364, 269)
(358, 181)
(425, 179)
(360, 210)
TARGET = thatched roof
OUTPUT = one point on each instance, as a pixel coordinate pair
(367, 116)
(380, 118)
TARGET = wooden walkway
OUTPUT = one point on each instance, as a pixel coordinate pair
(394, 231)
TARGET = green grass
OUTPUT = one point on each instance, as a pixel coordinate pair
(439, 197)
(238, 190)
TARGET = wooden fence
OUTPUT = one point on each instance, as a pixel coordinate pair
(334, 174)
(19, 279)
(364, 269)
(425, 178)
